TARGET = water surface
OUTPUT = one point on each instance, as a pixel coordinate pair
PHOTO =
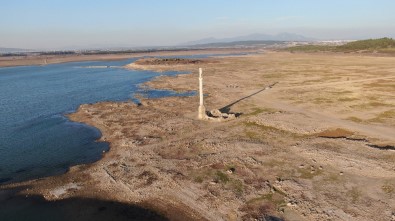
(36, 139)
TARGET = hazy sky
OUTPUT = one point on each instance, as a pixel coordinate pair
(65, 23)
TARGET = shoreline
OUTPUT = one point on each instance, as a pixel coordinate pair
(67, 115)
(144, 207)
(38, 60)
(163, 158)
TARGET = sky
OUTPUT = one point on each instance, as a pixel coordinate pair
(57, 24)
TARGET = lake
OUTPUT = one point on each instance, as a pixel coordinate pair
(36, 139)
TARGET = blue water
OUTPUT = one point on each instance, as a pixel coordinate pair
(36, 139)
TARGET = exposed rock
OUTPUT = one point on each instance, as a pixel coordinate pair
(217, 115)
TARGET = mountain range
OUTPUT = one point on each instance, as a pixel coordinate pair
(252, 37)
(206, 41)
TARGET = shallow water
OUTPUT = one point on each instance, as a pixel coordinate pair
(36, 140)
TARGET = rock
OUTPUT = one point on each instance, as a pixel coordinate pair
(216, 113)
(231, 116)
(231, 170)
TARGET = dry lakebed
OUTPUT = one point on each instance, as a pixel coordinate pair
(314, 140)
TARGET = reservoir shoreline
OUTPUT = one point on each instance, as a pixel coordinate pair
(41, 141)
(13, 61)
(284, 158)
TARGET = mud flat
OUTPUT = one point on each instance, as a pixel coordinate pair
(307, 148)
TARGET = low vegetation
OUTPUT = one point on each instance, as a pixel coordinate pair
(168, 61)
(335, 133)
(370, 44)
(382, 45)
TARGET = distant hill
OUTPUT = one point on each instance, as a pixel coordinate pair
(251, 37)
(382, 45)
(238, 44)
(370, 44)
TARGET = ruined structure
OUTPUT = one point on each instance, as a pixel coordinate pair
(215, 114)
(202, 108)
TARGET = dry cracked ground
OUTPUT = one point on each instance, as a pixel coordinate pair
(314, 141)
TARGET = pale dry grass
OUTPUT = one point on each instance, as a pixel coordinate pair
(348, 86)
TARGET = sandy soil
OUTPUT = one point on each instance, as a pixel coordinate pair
(314, 141)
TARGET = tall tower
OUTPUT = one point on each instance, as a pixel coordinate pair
(202, 109)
